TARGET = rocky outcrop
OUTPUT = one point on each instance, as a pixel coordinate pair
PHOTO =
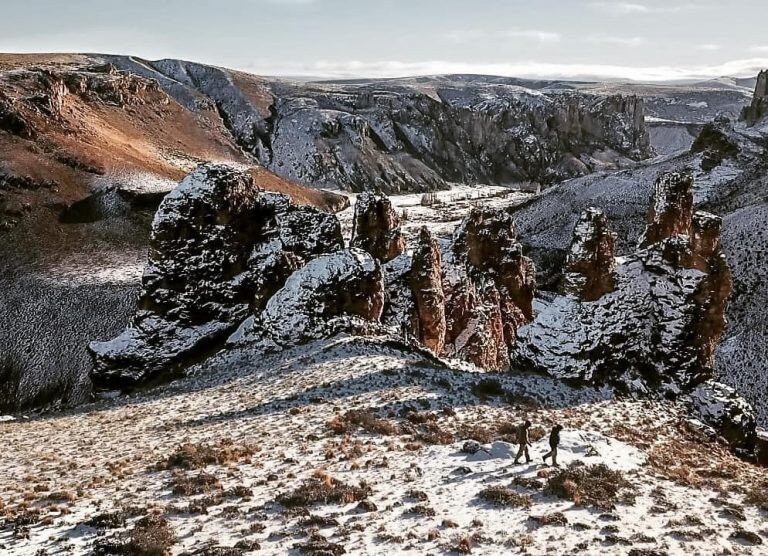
(759, 107)
(715, 144)
(723, 409)
(333, 292)
(219, 249)
(489, 286)
(376, 227)
(427, 287)
(591, 258)
(671, 210)
(659, 326)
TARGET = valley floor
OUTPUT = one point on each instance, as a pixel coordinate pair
(356, 445)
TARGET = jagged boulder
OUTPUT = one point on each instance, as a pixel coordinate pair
(489, 287)
(332, 292)
(722, 408)
(591, 259)
(758, 109)
(376, 227)
(659, 326)
(715, 144)
(219, 249)
(427, 287)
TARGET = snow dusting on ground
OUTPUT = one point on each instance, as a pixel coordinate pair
(67, 476)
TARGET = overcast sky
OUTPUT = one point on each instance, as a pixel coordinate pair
(638, 39)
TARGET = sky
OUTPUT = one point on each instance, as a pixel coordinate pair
(647, 40)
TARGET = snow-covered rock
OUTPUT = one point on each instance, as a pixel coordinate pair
(376, 227)
(591, 259)
(661, 323)
(219, 249)
(331, 293)
(722, 408)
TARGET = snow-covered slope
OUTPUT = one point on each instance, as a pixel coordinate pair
(396, 476)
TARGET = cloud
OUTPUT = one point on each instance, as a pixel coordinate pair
(619, 8)
(617, 41)
(462, 36)
(537, 70)
(759, 48)
(539, 36)
(630, 8)
(710, 47)
(291, 2)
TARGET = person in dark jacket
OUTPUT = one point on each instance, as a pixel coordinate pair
(554, 442)
(522, 440)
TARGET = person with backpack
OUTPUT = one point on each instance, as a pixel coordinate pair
(522, 440)
(554, 442)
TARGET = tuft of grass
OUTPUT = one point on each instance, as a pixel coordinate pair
(555, 518)
(366, 420)
(152, 536)
(198, 456)
(326, 490)
(591, 485)
(319, 545)
(503, 496)
(189, 485)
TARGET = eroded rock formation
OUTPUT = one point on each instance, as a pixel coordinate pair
(671, 210)
(758, 109)
(219, 249)
(426, 279)
(660, 324)
(333, 292)
(376, 227)
(489, 286)
(591, 258)
(715, 144)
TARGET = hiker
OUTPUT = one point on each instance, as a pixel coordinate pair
(522, 439)
(554, 441)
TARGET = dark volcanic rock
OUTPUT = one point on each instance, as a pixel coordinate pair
(671, 210)
(591, 259)
(376, 227)
(720, 407)
(219, 249)
(662, 322)
(759, 107)
(489, 286)
(341, 291)
(716, 144)
(402, 136)
(427, 287)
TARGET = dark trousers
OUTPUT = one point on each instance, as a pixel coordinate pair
(553, 454)
(523, 450)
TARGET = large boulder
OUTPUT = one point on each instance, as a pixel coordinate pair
(333, 292)
(659, 327)
(722, 408)
(219, 249)
(376, 227)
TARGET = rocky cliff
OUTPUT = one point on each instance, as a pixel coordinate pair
(758, 109)
(403, 136)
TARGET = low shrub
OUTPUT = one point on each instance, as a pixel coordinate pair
(591, 485)
(503, 496)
